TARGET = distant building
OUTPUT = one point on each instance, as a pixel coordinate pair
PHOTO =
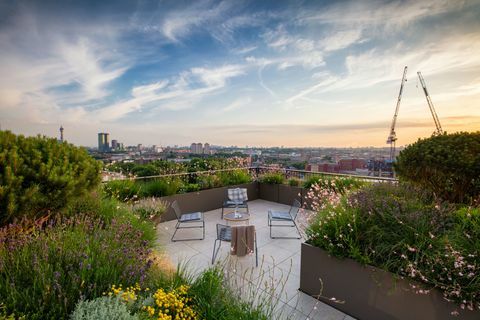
(196, 148)
(206, 148)
(115, 144)
(61, 133)
(103, 142)
(324, 167)
(352, 164)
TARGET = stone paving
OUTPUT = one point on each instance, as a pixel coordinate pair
(274, 282)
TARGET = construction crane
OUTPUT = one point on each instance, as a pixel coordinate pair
(392, 137)
(430, 105)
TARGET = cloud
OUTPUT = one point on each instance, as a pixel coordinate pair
(49, 66)
(341, 40)
(391, 14)
(237, 104)
(179, 93)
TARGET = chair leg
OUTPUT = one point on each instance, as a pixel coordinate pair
(176, 229)
(203, 223)
(256, 250)
(215, 253)
(222, 212)
(298, 231)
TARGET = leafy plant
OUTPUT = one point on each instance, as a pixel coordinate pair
(39, 175)
(102, 308)
(234, 177)
(400, 228)
(161, 187)
(43, 273)
(336, 184)
(272, 178)
(293, 182)
(448, 165)
(123, 190)
(150, 208)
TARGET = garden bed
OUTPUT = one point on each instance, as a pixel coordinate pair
(366, 292)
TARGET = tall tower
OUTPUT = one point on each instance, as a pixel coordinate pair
(61, 133)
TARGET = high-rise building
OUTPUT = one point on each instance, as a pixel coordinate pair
(103, 142)
(196, 148)
(206, 148)
(114, 144)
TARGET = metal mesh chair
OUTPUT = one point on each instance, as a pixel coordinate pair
(284, 216)
(236, 198)
(182, 218)
(224, 233)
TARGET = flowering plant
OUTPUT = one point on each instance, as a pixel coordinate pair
(400, 229)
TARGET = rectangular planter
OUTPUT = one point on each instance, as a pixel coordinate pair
(369, 292)
(268, 192)
(286, 194)
(205, 200)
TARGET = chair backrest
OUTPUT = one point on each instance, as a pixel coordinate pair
(176, 209)
(295, 208)
(224, 232)
(237, 194)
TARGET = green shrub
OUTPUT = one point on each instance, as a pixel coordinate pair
(294, 182)
(39, 174)
(234, 177)
(447, 164)
(190, 187)
(161, 187)
(43, 273)
(144, 170)
(123, 190)
(398, 227)
(150, 208)
(272, 178)
(209, 181)
(337, 184)
(101, 309)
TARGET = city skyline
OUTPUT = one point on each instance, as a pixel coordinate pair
(238, 73)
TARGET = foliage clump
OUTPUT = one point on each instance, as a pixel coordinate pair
(47, 266)
(403, 229)
(272, 178)
(448, 165)
(102, 308)
(339, 185)
(39, 174)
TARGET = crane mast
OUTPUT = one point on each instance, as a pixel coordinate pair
(439, 129)
(392, 137)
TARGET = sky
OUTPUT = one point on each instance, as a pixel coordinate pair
(256, 73)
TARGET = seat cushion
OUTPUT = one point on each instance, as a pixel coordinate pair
(225, 234)
(237, 195)
(280, 215)
(191, 216)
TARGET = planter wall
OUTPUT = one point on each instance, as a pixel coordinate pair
(369, 292)
(205, 200)
(268, 192)
(286, 194)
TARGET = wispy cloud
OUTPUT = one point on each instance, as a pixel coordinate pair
(237, 104)
(189, 87)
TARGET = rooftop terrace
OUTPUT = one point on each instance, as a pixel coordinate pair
(277, 277)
